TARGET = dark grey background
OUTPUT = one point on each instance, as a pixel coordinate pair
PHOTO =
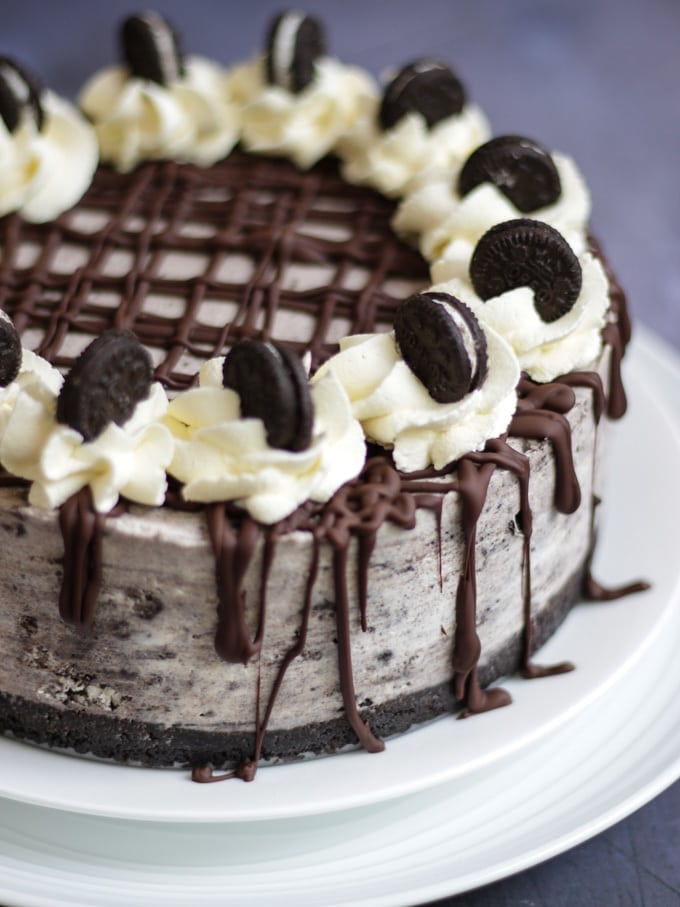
(598, 79)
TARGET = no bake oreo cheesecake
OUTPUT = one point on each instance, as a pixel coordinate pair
(301, 405)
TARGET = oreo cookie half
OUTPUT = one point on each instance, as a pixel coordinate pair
(10, 351)
(519, 167)
(20, 90)
(443, 344)
(295, 42)
(151, 48)
(272, 386)
(427, 87)
(105, 384)
(527, 253)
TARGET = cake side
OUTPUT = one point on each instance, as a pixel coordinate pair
(150, 663)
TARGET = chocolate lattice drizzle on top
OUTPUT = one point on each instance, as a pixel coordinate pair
(247, 232)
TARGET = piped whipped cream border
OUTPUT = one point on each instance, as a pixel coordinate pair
(202, 116)
(44, 172)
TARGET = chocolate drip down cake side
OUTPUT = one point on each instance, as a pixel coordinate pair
(303, 383)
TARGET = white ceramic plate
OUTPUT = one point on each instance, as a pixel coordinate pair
(596, 766)
(609, 759)
(605, 641)
(591, 772)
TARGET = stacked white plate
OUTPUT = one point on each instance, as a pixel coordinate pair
(446, 808)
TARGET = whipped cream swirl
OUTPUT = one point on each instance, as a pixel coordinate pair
(447, 227)
(44, 172)
(397, 412)
(220, 456)
(124, 460)
(392, 161)
(307, 125)
(34, 372)
(191, 120)
(545, 350)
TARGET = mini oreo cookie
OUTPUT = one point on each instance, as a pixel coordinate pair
(525, 252)
(443, 344)
(10, 351)
(272, 386)
(295, 42)
(105, 384)
(151, 48)
(428, 87)
(20, 90)
(519, 167)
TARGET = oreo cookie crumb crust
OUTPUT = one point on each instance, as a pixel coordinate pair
(443, 344)
(10, 351)
(151, 48)
(272, 386)
(427, 87)
(525, 252)
(293, 45)
(128, 740)
(107, 381)
(520, 168)
(19, 90)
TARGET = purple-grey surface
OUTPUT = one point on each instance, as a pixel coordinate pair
(598, 79)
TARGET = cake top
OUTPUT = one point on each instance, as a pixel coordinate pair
(514, 284)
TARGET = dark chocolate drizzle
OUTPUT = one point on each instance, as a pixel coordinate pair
(359, 509)
(594, 591)
(233, 549)
(501, 454)
(541, 414)
(261, 208)
(82, 529)
(268, 210)
(592, 382)
(473, 488)
(616, 334)
(247, 768)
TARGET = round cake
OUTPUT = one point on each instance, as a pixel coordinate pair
(303, 392)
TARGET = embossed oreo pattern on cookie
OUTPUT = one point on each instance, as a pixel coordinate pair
(107, 381)
(519, 167)
(19, 90)
(294, 44)
(443, 344)
(525, 252)
(272, 386)
(427, 87)
(151, 48)
(10, 351)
